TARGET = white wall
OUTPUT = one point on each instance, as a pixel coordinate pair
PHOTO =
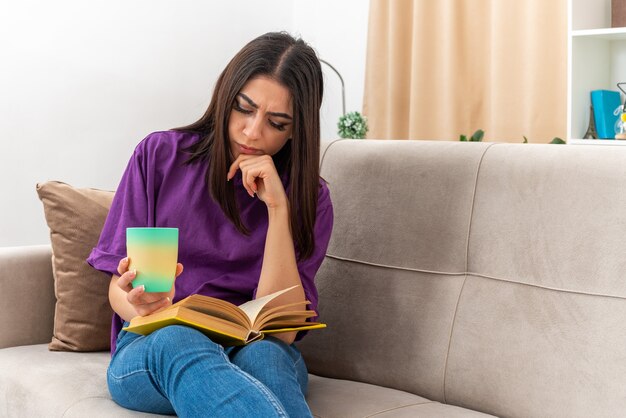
(82, 82)
(338, 31)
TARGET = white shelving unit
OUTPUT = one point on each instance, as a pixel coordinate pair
(596, 60)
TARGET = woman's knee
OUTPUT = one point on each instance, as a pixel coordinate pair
(273, 362)
(177, 338)
(176, 331)
(267, 351)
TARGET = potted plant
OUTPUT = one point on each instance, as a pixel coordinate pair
(352, 125)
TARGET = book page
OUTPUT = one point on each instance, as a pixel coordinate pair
(216, 307)
(253, 307)
(267, 314)
(269, 320)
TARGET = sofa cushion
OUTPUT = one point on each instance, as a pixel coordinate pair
(26, 275)
(82, 319)
(56, 384)
(540, 320)
(399, 248)
(412, 209)
(336, 398)
(36, 382)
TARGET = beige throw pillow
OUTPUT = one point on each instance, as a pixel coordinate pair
(82, 320)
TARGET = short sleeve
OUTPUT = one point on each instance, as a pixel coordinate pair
(308, 267)
(132, 206)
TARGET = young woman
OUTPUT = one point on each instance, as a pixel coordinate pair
(242, 185)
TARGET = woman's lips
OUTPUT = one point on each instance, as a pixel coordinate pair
(248, 150)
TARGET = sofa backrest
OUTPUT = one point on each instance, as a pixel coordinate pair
(489, 276)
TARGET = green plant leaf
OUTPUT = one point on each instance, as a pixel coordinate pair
(463, 138)
(557, 140)
(525, 141)
(477, 136)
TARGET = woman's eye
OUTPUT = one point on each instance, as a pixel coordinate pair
(278, 126)
(238, 108)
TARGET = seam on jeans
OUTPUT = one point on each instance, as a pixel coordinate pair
(295, 364)
(268, 394)
(124, 376)
(399, 407)
(80, 400)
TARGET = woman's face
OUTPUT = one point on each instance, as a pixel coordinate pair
(261, 118)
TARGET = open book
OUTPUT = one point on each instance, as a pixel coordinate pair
(229, 324)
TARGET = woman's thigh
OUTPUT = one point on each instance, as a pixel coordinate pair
(179, 369)
(130, 381)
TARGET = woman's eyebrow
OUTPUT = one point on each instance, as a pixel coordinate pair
(256, 106)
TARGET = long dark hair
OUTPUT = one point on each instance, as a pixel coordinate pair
(294, 64)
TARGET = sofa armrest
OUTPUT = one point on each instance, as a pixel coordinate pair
(27, 297)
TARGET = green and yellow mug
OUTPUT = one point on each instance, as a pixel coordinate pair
(153, 252)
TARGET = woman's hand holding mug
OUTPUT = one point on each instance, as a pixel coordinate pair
(144, 302)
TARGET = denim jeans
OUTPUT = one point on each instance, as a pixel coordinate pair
(178, 370)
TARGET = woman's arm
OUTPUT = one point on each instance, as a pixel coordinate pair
(279, 269)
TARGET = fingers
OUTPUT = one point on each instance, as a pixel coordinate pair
(250, 183)
(235, 165)
(233, 169)
(147, 303)
(125, 280)
(122, 266)
(253, 167)
(152, 307)
(144, 302)
(247, 183)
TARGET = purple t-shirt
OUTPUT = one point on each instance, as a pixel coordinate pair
(158, 189)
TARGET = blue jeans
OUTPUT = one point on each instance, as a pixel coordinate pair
(178, 370)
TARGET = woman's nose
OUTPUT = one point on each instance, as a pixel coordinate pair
(253, 127)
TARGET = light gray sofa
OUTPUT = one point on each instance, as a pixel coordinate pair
(462, 279)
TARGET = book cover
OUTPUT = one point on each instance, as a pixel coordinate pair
(604, 103)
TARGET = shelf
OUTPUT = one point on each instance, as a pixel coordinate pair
(596, 61)
(614, 142)
(609, 34)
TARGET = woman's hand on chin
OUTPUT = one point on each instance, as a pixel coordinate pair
(260, 177)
